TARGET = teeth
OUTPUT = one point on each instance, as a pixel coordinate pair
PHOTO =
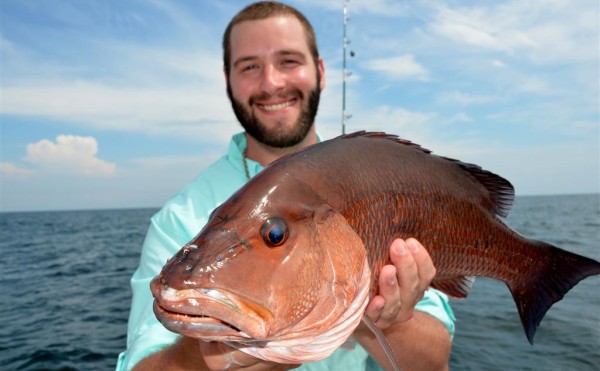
(170, 294)
(217, 295)
(279, 106)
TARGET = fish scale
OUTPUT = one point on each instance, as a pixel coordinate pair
(339, 205)
(479, 197)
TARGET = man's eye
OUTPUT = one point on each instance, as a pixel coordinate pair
(290, 62)
(249, 67)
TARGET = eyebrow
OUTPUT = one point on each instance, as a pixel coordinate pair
(285, 52)
(292, 52)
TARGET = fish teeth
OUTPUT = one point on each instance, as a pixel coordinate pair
(218, 295)
(170, 293)
(215, 294)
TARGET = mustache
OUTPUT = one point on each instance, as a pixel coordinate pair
(286, 94)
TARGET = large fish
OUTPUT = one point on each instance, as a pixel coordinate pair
(285, 268)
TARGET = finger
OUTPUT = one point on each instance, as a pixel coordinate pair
(374, 308)
(423, 261)
(390, 291)
(407, 274)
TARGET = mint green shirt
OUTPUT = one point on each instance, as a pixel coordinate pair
(182, 217)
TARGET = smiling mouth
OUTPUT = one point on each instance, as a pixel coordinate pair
(278, 106)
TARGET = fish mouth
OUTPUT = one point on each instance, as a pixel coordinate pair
(210, 314)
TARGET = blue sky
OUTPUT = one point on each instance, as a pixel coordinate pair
(115, 104)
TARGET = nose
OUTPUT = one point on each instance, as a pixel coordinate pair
(273, 79)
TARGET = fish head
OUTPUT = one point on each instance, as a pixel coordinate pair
(276, 261)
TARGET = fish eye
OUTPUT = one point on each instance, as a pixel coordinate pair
(274, 232)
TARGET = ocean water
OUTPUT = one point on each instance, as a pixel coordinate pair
(489, 334)
(65, 285)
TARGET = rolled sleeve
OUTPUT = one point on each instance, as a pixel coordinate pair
(145, 334)
(435, 303)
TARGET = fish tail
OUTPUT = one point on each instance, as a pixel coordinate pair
(557, 272)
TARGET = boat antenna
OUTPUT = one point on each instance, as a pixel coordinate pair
(345, 72)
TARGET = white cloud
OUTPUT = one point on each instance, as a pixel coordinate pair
(497, 28)
(464, 99)
(387, 8)
(498, 63)
(154, 90)
(69, 155)
(467, 34)
(401, 68)
(460, 118)
(394, 120)
(10, 170)
(146, 110)
(570, 161)
(535, 85)
(549, 31)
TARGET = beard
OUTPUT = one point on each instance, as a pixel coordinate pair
(278, 138)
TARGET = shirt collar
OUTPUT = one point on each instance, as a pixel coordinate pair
(237, 146)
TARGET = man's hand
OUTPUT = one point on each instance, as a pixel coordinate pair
(419, 340)
(402, 284)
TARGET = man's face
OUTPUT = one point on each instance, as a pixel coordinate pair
(274, 84)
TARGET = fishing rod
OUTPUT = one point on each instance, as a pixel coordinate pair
(345, 73)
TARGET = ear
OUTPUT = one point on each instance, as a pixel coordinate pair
(321, 67)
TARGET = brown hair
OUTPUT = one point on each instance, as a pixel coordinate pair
(262, 10)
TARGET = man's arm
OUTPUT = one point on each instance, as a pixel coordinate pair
(419, 340)
(420, 343)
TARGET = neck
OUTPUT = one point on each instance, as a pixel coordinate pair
(264, 154)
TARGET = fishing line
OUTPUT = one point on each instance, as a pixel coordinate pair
(382, 340)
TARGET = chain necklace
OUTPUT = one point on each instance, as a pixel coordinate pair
(245, 161)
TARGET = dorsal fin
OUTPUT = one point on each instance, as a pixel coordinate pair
(382, 135)
(501, 190)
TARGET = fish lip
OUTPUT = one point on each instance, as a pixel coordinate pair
(207, 328)
(209, 313)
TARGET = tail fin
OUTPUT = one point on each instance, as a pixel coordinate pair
(558, 272)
